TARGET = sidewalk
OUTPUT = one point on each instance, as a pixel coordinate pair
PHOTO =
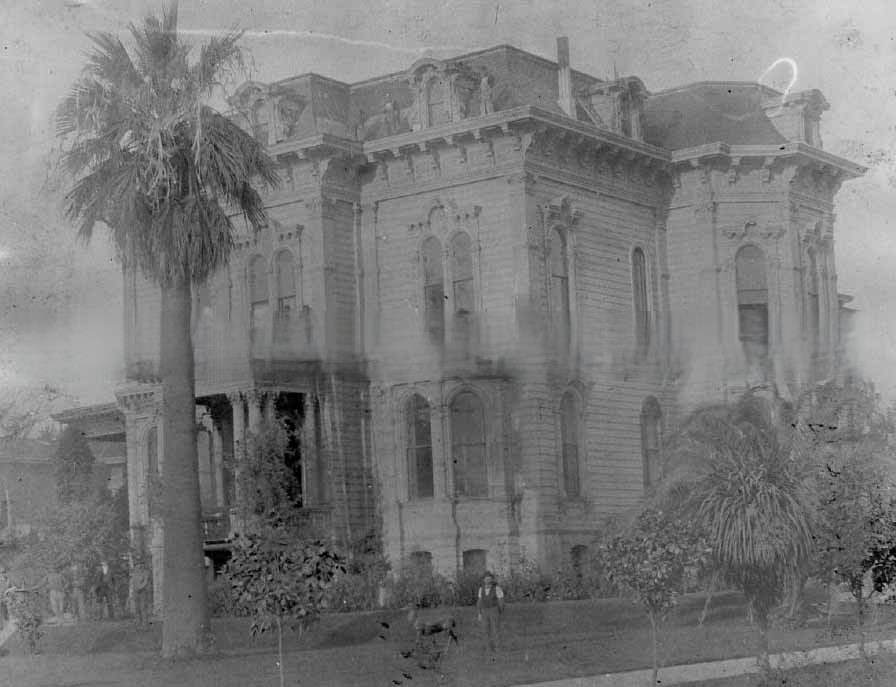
(713, 670)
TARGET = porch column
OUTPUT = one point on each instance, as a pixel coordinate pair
(255, 399)
(238, 406)
(218, 463)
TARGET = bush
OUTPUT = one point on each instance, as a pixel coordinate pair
(25, 608)
(526, 582)
(466, 587)
(221, 601)
(420, 586)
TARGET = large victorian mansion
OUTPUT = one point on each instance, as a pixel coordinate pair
(489, 286)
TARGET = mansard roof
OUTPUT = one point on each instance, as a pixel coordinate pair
(730, 113)
(709, 112)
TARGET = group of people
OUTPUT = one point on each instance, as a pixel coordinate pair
(83, 593)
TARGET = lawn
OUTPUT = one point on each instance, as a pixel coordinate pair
(540, 642)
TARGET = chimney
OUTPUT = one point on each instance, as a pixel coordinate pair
(564, 78)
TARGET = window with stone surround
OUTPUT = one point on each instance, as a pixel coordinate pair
(569, 441)
(462, 286)
(433, 289)
(468, 445)
(651, 439)
(419, 448)
(752, 304)
(640, 300)
(559, 270)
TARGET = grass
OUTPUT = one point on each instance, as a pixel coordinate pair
(540, 642)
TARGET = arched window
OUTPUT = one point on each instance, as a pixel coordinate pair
(639, 298)
(468, 445)
(569, 437)
(261, 122)
(559, 267)
(419, 448)
(651, 439)
(433, 289)
(812, 299)
(286, 283)
(752, 303)
(152, 451)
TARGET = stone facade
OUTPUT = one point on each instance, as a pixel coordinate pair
(490, 284)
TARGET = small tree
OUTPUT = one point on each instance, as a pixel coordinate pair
(648, 563)
(279, 579)
(267, 483)
(856, 530)
(74, 466)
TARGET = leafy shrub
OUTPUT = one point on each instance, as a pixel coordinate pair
(25, 608)
(526, 582)
(467, 587)
(221, 601)
(419, 585)
(358, 589)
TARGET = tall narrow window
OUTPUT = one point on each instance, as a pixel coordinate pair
(639, 297)
(4, 507)
(462, 286)
(433, 289)
(560, 314)
(468, 445)
(812, 300)
(569, 437)
(651, 439)
(258, 302)
(286, 313)
(286, 283)
(152, 452)
(419, 448)
(752, 304)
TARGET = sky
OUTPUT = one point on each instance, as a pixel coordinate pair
(60, 301)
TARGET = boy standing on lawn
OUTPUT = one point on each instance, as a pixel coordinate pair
(490, 604)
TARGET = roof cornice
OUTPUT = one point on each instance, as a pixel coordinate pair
(791, 149)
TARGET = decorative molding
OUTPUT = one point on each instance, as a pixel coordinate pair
(562, 210)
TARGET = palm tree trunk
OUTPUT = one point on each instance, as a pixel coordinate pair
(184, 603)
(762, 626)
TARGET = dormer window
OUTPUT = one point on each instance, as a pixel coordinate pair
(443, 92)
(436, 103)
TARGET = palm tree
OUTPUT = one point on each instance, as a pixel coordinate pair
(165, 172)
(739, 472)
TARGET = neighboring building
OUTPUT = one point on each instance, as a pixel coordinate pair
(490, 285)
(28, 482)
